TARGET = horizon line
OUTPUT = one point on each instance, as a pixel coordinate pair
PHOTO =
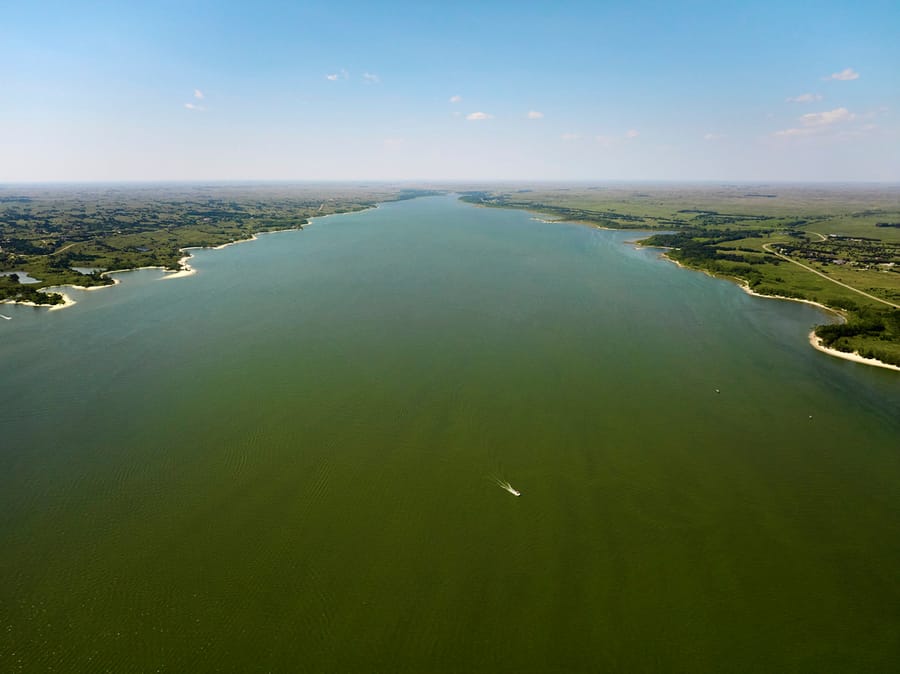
(440, 181)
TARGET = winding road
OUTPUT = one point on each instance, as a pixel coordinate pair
(66, 247)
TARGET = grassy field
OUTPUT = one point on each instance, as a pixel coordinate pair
(760, 235)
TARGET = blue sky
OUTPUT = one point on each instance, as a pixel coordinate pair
(484, 90)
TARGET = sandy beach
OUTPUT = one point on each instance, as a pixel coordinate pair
(747, 289)
(254, 237)
(817, 344)
(67, 301)
(186, 269)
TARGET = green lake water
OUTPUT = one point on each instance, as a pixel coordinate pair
(288, 462)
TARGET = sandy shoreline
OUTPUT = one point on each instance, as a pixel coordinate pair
(854, 357)
(186, 269)
(67, 301)
(581, 223)
(747, 289)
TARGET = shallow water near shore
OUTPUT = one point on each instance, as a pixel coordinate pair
(289, 462)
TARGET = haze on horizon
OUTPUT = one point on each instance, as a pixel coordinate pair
(774, 91)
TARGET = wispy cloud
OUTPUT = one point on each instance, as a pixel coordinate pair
(569, 136)
(860, 131)
(477, 116)
(341, 75)
(826, 118)
(390, 143)
(713, 136)
(371, 78)
(813, 123)
(804, 98)
(607, 140)
(877, 112)
(456, 99)
(793, 132)
(198, 94)
(845, 75)
(195, 107)
(534, 114)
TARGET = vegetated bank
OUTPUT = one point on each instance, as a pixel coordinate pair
(834, 245)
(73, 235)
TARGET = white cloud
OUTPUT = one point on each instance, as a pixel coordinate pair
(826, 118)
(845, 75)
(713, 136)
(193, 106)
(534, 114)
(334, 77)
(632, 133)
(455, 99)
(804, 98)
(198, 94)
(477, 116)
(569, 136)
(818, 122)
(796, 132)
(371, 78)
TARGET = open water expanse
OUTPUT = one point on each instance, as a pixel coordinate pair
(289, 462)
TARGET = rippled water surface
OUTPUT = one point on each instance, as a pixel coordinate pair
(289, 462)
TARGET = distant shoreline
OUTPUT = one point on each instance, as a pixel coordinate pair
(814, 341)
(186, 270)
(183, 263)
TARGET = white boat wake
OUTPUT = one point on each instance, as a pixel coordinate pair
(503, 484)
(9, 318)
